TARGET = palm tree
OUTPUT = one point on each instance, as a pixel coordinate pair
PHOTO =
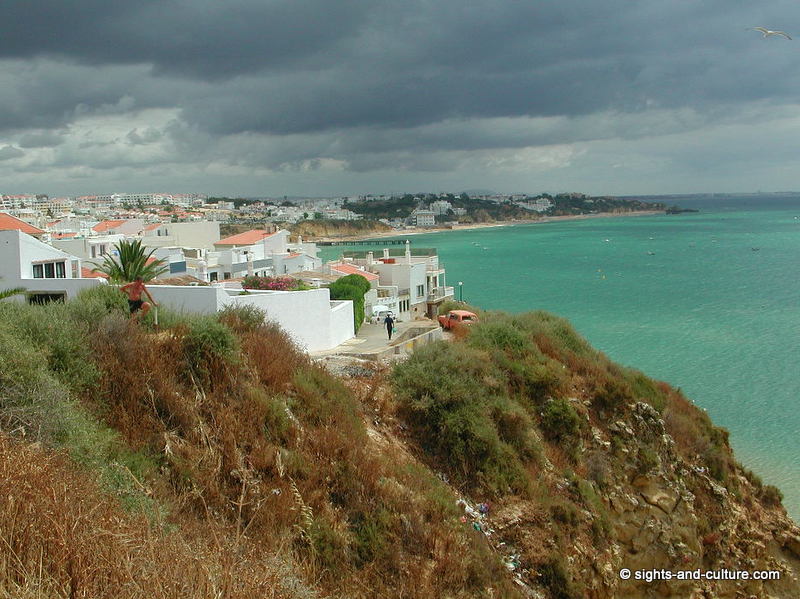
(132, 261)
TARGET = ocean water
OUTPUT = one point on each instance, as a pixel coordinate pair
(709, 302)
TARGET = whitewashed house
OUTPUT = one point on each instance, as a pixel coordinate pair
(48, 274)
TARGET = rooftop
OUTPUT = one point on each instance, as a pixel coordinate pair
(10, 223)
(246, 238)
(353, 270)
(107, 225)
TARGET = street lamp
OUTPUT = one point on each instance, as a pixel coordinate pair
(461, 291)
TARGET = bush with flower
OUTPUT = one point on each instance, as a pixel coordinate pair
(274, 283)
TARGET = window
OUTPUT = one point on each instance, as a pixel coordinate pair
(420, 290)
(50, 270)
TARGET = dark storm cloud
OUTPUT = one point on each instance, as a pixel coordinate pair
(376, 83)
(287, 66)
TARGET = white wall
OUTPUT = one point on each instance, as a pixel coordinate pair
(309, 317)
(17, 253)
(202, 299)
(201, 234)
(306, 315)
(341, 323)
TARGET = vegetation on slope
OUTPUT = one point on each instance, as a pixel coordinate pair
(210, 459)
(320, 227)
(521, 410)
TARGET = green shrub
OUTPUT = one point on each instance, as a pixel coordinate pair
(98, 301)
(330, 547)
(35, 401)
(61, 338)
(242, 318)
(320, 399)
(502, 334)
(454, 397)
(371, 535)
(644, 388)
(353, 288)
(207, 343)
(560, 422)
(277, 423)
(613, 394)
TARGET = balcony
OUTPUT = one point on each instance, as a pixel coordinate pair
(434, 269)
(440, 293)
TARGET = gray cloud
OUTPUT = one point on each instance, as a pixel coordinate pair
(365, 86)
(9, 152)
(41, 139)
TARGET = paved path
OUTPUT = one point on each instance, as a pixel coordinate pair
(373, 339)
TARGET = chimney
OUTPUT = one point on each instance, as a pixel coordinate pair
(408, 250)
(385, 252)
(370, 259)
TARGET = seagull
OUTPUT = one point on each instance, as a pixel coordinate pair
(768, 32)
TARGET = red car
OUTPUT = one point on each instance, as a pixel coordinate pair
(456, 318)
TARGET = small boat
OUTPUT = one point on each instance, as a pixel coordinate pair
(755, 249)
(651, 253)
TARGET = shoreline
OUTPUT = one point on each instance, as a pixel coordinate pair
(471, 226)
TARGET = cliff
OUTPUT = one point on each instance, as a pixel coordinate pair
(332, 229)
(212, 458)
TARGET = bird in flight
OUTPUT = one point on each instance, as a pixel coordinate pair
(768, 32)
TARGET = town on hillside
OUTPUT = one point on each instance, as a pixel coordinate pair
(209, 253)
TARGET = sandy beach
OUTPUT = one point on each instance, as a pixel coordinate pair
(467, 227)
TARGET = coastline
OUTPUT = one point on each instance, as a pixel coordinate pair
(471, 226)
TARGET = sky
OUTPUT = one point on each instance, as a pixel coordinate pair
(345, 97)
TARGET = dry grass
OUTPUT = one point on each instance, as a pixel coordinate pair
(61, 536)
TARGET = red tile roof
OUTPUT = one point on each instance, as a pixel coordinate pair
(246, 238)
(104, 226)
(352, 270)
(10, 223)
(63, 235)
(86, 273)
(293, 255)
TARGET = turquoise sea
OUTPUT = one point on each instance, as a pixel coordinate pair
(709, 302)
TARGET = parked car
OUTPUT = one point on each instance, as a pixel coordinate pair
(456, 318)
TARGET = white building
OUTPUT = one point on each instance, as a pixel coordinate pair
(440, 207)
(416, 282)
(310, 317)
(422, 218)
(46, 272)
(200, 234)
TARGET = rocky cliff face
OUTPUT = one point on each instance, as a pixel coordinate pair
(318, 229)
(672, 516)
(646, 485)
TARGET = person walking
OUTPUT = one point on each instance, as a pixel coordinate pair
(134, 291)
(389, 322)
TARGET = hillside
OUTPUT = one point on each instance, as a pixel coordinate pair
(331, 229)
(211, 458)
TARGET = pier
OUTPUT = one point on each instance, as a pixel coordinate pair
(363, 242)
